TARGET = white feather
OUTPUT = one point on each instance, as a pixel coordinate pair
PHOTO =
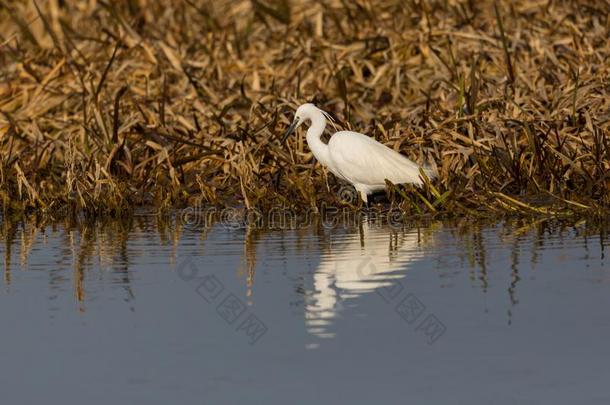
(357, 158)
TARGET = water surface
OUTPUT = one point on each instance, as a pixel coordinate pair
(151, 311)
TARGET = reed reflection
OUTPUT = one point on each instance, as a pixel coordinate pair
(81, 258)
(85, 255)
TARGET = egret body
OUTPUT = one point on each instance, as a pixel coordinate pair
(355, 157)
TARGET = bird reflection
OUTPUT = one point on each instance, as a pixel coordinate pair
(87, 256)
(356, 264)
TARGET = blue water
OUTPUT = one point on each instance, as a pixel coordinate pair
(151, 311)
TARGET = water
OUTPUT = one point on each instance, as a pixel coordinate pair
(153, 312)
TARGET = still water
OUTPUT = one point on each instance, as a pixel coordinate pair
(150, 311)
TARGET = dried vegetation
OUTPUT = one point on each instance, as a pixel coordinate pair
(109, 105)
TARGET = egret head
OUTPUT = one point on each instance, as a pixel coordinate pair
(305, 112)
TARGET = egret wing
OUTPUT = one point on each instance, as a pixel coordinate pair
(362, 160)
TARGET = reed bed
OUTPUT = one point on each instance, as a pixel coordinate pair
(105, 106)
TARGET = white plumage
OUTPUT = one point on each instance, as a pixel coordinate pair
(355, 157)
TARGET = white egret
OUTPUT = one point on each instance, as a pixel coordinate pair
(355, 157)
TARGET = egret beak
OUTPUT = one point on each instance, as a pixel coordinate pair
(290, 130)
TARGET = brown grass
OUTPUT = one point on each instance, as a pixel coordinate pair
(109, 105)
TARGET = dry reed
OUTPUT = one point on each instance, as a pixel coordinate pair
(109, 105)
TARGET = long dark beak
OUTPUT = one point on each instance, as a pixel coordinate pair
(289, 130)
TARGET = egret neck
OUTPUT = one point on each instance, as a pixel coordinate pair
(314, 134)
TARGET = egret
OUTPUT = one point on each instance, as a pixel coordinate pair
(355, 157)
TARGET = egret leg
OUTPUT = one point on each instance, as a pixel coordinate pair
(363, 195)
